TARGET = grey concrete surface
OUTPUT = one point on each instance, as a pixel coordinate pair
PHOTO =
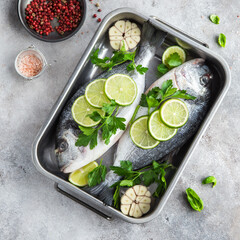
(29, 206)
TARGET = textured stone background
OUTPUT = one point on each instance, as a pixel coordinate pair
(29, 206)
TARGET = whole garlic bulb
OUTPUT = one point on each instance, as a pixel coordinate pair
(136, 201)
(124, 32)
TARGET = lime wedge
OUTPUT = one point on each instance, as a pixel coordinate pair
(174, 113)
(80, 110)
(182, 44)
(94, 93)
(140, 135)
(80, 176)
(158, 129)
(171, 50)
(121, 88)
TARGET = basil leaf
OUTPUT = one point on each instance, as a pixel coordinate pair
(194, 200)
(222, 40)
(210, 179)
(214, 18)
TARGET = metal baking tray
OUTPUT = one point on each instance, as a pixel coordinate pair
(44, 145)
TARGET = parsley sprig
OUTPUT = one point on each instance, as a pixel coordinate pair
(147, 175)
(118, 57)
(109, 125)
(156, 96)
(174, 60)
(97, 175)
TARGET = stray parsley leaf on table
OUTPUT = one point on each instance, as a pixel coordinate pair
(109, 125)
(214, 18)
(222, 40)
(194, 200)
(118, 57)
(210, 179)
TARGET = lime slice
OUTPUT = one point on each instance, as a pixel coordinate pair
(94, 93)
(80, 176)
(121, 88)
(158, 129)
(174, 113)
(183, 44)
(140, 135)
(171, 50)
(80, 110)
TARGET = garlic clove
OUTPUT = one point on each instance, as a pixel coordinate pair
(130, 42)
(115, 44)
(128, 33)
(128, 26)
(134, 25)
(145, 200)
(113, 31)
(137, 211)
(115, 38)
(139, 198)
(135, 32)
(136, 189)
(142, 190)
(144, 207)
(125, 208)
(132, 209)
(131, 194)
(148, 194)
(120, 25)
(136, 38)
(125, 200)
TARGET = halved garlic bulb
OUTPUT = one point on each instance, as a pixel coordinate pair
(124, 32)
(136, 201)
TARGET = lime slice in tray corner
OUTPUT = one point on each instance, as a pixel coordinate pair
(80, 176)
(182, 44)
(121, 88)
(158, 129)
(140, 135)
(94, 93)
(174, 113)
(172, 50)
(80, 111)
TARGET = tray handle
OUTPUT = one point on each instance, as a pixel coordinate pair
(81, 202)
(180, 31)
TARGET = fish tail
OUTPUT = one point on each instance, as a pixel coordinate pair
(96, 189)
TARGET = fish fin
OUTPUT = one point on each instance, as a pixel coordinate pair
(96, 189)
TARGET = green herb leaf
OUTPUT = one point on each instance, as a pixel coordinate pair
(97, 175)
(149, 177)
(194, 200)
(84, 140)
(143, 101)
(87, 130)
(166, 85)
(182, 94)
(118, 57)
(173, 60)
(214, 18)
(162, 68)
(126, 183)
(126, 165)
(120, 171)
(95, 116)
(210, 179)
(141, 69)
(222, 40)
(109, 107)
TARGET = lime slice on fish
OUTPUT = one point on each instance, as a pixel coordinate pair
(80, 111)
(174, 113)
(80, 176)
(94, 93)
(171, 50)
(121, 88)
(158, 129)
(140, 135)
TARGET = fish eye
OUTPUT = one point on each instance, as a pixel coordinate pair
(205, 79)
(63, 146)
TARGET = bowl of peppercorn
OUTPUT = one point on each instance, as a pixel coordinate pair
(52, 20)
